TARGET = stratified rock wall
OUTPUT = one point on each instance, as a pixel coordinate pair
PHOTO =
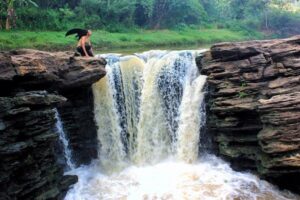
(28, 166)
(254, 112)
(31, 86)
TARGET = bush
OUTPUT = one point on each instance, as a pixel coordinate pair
(92, 22)
(120, 28)
(55, 19)
(284, 23)
(35, 19)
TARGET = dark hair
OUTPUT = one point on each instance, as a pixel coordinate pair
(79, 33)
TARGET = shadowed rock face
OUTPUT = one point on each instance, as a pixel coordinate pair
(254, 113)
(29, 167)
(78, 117)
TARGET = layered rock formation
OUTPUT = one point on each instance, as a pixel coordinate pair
(254, 106)
(29, 167)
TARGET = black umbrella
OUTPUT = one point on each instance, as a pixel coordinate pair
(79, 32)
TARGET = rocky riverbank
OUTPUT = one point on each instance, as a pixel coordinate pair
(254, 106)
(32, 83)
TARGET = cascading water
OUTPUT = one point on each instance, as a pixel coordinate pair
(108, 116)
(63, 139)
(190, 120)
(149, 110)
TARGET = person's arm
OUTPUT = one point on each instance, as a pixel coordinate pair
(90, 51)
(91, 48)
(83, 46)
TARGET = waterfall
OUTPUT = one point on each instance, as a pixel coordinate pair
(141, 107)
(108, 116)
(150, 112)
(116, 116)
(167, 76)
(132, 72)
(191, 121)
(65, 143)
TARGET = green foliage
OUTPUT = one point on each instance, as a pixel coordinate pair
(284, 23)
(275, 17)
(55, 4)
(279, 17)
(244, 84)
(139, 39)
(51, 19)
(111, 14)
(242, 95)
(173, 12)
(143, 12)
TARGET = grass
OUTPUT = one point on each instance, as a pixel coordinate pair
(102, 40)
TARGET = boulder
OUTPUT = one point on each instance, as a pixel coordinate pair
(32, 69)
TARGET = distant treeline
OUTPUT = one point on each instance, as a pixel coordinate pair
(280, 17)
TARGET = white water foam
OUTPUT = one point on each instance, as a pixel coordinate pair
(209, 179)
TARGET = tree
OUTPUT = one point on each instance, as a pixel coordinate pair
(2, 10)
(118, 11)
(168, 13)
(265, 8)
(57, 3)
(143, 12)
(160, 10)
(223, 11)
(112, 13)
(11, 16)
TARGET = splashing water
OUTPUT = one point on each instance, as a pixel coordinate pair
(64, 141)
(149, 110)
(210, 179)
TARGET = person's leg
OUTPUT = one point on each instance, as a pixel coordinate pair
(80, 50)
(89, 51)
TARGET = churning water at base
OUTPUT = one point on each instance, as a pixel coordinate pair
(149, 110)
(208, 179)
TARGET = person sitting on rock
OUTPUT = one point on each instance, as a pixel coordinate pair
(84, 46)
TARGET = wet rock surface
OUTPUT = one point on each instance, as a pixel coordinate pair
(254, 106)
(32, 84)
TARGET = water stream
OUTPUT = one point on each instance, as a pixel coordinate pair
(65, 143)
